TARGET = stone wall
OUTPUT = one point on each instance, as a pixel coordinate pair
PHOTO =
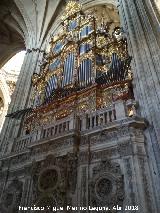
(99, 167)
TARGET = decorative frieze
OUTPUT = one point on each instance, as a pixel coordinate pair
(53, 146)
(94, 156)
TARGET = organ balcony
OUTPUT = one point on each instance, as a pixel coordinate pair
(121, 112)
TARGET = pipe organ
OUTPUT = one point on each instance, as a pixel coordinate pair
(86, 59)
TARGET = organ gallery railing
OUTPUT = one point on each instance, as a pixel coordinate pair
(102, 118)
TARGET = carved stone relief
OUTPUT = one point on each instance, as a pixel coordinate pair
(12, 197)
(103, 188)
(53, 145)
(47, 200)
(106, 186)
(48, 179)
(94, 156)
(125, 148)
(54, 180)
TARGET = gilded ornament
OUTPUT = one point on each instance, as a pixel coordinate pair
(77, 95)
(71, 8)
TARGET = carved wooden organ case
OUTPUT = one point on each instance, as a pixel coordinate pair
(87, 68)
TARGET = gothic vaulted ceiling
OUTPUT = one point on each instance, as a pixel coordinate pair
(28, 23)
(12, 30)
(23, 24)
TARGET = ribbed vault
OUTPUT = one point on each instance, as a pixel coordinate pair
(12, 30)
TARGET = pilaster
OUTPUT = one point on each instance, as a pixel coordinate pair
(143, 47)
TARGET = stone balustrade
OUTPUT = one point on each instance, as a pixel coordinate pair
(21, 143)
(118, 111)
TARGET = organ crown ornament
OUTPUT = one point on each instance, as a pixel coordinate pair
(72, 8)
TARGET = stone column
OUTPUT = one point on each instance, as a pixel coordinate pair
(143, 46)
(19, 101)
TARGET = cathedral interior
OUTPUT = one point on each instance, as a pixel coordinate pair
(80, 124)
